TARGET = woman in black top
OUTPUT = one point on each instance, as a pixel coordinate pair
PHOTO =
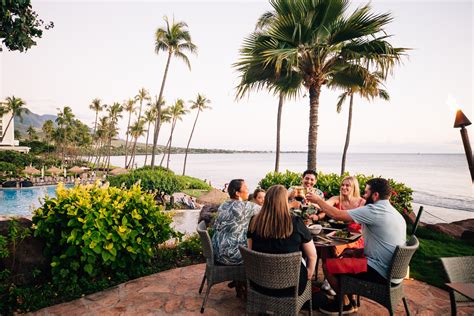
(274, 230)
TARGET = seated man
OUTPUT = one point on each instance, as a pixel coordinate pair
(383, 229)
(308, 181)
(231, 224)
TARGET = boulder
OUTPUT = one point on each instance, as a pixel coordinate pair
(461, 229)
(213, 197)
(27, 257)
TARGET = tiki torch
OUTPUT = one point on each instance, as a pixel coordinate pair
(462, 121)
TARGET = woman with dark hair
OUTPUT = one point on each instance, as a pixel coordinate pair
(258, 196)
(231, 224)
(275, 230)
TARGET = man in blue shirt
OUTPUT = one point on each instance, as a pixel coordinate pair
(383, 228)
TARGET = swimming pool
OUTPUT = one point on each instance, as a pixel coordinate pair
(24, 201)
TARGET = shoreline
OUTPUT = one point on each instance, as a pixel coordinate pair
(435, 214)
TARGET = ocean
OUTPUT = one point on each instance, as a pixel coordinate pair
(438, 180)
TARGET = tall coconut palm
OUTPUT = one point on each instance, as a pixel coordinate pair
(129, 106)
(64, 121)
(101, 138)
(32, 135)
(96, 106)
(319, 38)
(200, 104)
(115, 113)
(256, 75)
(356, 80)
(137, 130)
(142, 95)
(150, 118)
(48, 129)
(177, 112)
(174, 39)
(17, 107)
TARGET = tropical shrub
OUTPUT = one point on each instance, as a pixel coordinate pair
(16, 158)
(329, 183)
(190, 183)
(286, 179)
(94, 232)
(159, 180)
(7, 168)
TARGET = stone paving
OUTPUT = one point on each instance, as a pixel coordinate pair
(175, 292)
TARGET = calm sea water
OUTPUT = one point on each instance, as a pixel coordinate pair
(441, 180)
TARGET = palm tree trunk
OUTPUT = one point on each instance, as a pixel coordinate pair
(158, 118)
(314, 93)
(126, 140)
(146, 143)
(132, 157)
(110, 153)
(164, 151)
(348, 136)
(189, 142)
(169, 147)
(6, 129)
(277, 150)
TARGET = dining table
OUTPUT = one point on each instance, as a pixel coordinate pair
(325, 242)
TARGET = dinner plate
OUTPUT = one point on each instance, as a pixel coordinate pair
(352, 236)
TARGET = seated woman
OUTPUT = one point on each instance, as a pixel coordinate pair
(274, 230)
(231, 224)
(258, 196)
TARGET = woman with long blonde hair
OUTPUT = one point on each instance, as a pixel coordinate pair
(349, 195)
(275, 230)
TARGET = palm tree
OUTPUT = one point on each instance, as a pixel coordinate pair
(356, 80)
(115, 113)
(256, 75)
(318, 38)
(96, 106)
(150, 118)
(17, 107)
(101, 137)
(137, 130)
(177, 112)
(176, 40)
(129, 106)
(142, 95)
(64, 121)
(32, 135)
(48, 129)
(200, 105)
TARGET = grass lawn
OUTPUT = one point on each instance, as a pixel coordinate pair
(195, 193)
(426, 264)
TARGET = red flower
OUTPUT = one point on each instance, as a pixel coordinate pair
(394, 193)
(324, 193)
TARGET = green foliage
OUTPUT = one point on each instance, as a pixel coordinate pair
(426, 264)
(190, 183)
(93, 231)
(7, 168)
(33, 297)
(16, 158)
(20, 25)
(286, 179)
(38, 147)
(330, 183)
(158, 180)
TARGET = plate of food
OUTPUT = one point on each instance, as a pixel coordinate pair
(337, 224)
(343, 235)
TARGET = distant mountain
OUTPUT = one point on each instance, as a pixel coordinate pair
(32, 119)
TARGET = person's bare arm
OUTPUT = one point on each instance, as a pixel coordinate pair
(249, 243)
(310, 252)
(331, 211)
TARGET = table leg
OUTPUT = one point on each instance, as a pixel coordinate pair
(453, 302)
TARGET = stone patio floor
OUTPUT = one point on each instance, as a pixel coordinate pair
(175, 292)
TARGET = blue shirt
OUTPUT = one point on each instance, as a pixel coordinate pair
(383, 228)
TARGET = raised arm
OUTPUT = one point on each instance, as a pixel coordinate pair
(331, 211)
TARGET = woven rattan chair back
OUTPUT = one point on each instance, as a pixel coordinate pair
(401, 259)
(274, 271)
(207, 250)
(459, 269)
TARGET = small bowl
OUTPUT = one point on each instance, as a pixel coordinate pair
(315, 229)
(337, 224)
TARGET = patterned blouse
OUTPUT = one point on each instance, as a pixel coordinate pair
(230, 230)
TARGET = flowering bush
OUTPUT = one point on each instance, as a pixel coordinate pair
(330, 183)
(93, 231)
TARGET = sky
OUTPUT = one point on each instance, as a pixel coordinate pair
(105, 49)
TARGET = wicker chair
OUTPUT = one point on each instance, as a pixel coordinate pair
(215, 273)
(274, 271)
(458, 269)
(388, 295)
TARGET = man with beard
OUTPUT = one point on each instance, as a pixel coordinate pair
(383, 229)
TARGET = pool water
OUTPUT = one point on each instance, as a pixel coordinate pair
(22, 202)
